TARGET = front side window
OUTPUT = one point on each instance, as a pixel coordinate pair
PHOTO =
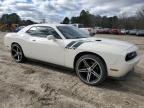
(43, 31)
(71, 32)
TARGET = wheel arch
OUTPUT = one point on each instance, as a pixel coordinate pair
(87, 52)
(16, 43)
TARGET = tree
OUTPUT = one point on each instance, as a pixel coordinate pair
(74, 20)
(98, 21)
(128, 22)
(123, 21)
(113, 21)
(4, 18)
(84, 18)
(140, 13)
(14, 18)
(66, 20)
(140, 18)
(90, 20)
(10, 18)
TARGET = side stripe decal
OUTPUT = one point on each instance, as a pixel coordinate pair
(70, 44)
(77, 45)
(74, 44)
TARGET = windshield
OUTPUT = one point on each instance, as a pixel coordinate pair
(71, 32)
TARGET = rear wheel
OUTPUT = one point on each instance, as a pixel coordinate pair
(91, 69)
(17, 53)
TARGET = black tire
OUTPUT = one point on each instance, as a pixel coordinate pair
(92, 74)
(17, 53)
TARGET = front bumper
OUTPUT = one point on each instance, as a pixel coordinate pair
(122, 67)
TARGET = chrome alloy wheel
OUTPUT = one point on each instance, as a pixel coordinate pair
(89, 70)
(17, 53)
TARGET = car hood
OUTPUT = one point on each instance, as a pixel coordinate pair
(113, 42)
(102, 42)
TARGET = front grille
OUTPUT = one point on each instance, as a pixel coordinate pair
(131, 56)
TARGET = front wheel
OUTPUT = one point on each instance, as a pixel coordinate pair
(91, 69)
(17, 53)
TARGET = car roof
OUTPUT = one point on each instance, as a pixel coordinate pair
(51, 25)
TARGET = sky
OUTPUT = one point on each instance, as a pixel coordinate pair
(55, 10)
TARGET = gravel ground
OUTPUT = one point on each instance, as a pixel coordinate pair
(38, 85)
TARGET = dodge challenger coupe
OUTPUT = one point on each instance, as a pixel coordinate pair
(93, 59)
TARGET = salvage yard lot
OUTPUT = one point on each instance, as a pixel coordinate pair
(38, 85)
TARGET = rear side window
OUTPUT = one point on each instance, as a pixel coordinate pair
(43, 31)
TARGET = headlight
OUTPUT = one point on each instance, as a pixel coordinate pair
(131, 56)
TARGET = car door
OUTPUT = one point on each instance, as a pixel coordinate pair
(41, 48)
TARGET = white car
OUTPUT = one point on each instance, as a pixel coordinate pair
(93, 59)
(133, 32)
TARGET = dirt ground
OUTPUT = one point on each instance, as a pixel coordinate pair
(38, 85)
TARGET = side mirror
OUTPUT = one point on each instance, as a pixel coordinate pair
(50, 37)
